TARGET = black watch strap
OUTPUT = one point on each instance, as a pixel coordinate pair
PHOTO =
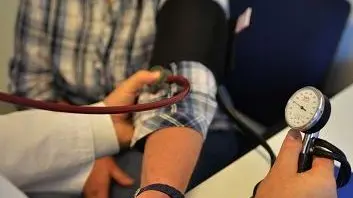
(166, 189)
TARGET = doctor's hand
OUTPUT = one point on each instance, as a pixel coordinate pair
(98, 182)
(125, 94)
(284, 181)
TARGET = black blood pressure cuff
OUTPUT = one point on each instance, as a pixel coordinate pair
(191, 30)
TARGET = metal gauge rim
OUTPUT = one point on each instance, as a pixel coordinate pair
(318, 113)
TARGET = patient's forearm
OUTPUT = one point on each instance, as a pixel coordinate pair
(170, 157)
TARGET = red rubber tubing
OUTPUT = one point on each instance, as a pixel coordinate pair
(51, 106)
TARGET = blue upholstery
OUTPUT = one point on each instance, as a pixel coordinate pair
(346, 191)
(289, 44)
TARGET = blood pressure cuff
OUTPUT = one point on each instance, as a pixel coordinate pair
(191, 30)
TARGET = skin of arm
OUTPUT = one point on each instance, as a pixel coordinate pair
(167, 163)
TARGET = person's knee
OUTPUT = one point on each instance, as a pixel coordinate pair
(191, 30)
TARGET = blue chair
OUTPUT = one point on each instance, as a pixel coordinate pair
(289, 44)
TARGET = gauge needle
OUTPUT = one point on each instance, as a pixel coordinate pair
(301, 107)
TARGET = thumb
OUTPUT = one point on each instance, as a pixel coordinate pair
(287, 160)
(120, 176)
(138, 80)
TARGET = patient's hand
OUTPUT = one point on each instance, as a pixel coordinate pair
(97, 185)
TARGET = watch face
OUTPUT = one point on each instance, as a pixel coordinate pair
(303, 108)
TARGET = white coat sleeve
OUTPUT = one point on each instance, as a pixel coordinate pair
(43, 151)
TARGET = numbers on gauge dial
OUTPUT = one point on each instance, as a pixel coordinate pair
(302, 107)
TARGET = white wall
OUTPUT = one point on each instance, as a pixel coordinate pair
(7, 21)
(341, 75)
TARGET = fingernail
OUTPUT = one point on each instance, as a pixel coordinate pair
(156, 74)
(294, 135)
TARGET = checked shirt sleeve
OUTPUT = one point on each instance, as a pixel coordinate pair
(196, 111)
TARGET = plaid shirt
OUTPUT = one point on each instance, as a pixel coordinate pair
(78, 50)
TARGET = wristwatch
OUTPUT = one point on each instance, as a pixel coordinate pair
(163, 188)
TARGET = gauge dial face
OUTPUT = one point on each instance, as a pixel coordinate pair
(303, 108)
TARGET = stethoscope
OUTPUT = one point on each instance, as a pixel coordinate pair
(165, 78)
